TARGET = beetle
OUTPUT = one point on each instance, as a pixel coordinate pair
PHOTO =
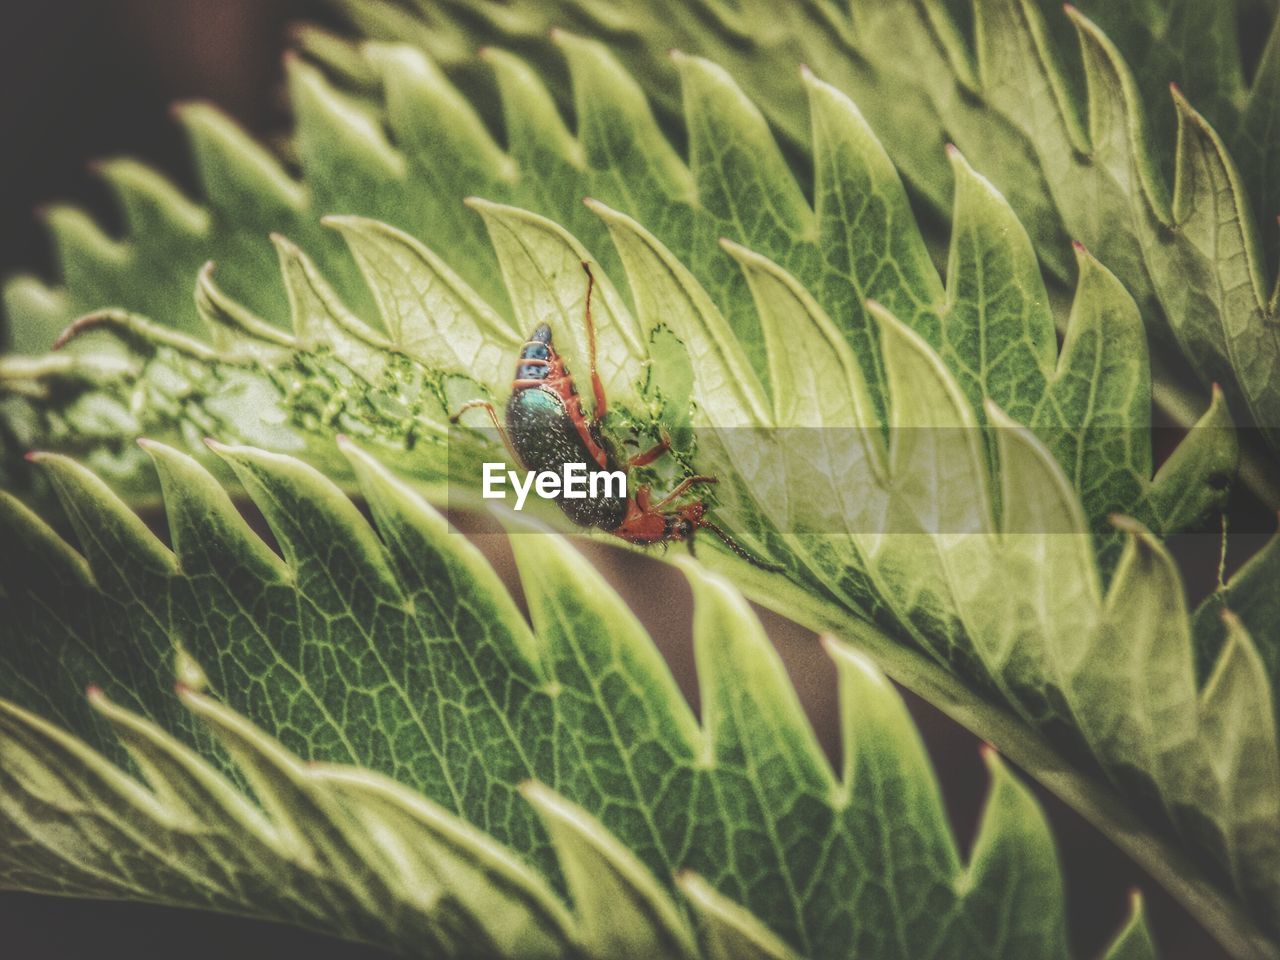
(547, 427)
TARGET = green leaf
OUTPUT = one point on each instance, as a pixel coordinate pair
(918, 526)
(441, 844)
(1017, 505)
(1251, 596)
(1226, 340)
(1236, 694)
(728, 930)
(1076, 127)
(1134, 942)
(858, 242)
(623, 909)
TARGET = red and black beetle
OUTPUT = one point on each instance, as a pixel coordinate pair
(546, 428)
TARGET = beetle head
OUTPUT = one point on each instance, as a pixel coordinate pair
(682, 523)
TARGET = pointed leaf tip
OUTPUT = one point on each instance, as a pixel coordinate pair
(1126, 524)
(838, 650)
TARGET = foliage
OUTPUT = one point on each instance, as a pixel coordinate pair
(913, 447)
(1072, 118)
(564, 781)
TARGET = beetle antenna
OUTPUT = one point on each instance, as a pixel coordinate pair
(739, 549)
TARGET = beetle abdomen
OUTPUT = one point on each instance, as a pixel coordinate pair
(546, 437)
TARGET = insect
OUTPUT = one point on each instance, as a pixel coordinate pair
(546, 428)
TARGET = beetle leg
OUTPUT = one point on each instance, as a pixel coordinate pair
(497, 425)
(597, 386)
(642, 499)
(652, 454)
(681, 488)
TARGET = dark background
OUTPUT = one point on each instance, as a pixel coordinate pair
(84, 79)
